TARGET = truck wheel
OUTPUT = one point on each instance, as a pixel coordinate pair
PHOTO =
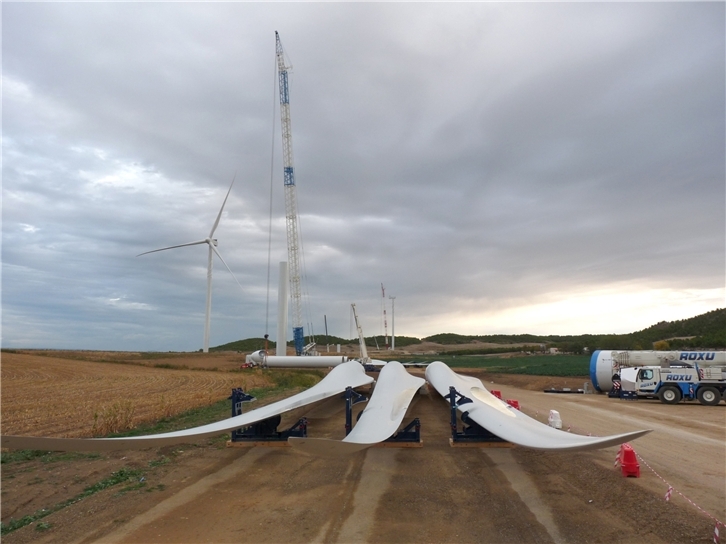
(669, 394)
(708, 396)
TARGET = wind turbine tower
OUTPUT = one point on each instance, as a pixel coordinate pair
(291, 217)
(212, 243)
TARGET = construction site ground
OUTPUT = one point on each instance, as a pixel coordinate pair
(437, 493)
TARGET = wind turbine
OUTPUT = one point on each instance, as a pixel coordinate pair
(212, 243)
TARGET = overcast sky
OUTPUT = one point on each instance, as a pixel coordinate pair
(500, 168)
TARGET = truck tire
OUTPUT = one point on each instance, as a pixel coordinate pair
(669, 394)
(708, 396)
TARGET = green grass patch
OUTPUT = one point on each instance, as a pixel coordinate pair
(163, 460)
(120, 476)
(133, 487)
(191, 418)
(290, 379)
(20, 456)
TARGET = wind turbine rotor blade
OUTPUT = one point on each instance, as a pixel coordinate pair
(219, 216)
(172, 247)
(225, 264)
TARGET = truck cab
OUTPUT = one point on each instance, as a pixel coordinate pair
(673, 384)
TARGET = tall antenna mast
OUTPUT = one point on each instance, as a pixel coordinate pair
(291, 217)
(385, 319)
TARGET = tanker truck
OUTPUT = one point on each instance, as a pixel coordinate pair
(672, 376)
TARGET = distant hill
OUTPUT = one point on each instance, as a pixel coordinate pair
(708, 331)
(705, 331)
(250, 344)
(401, 341)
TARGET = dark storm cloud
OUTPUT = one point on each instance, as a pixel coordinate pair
(475, 158)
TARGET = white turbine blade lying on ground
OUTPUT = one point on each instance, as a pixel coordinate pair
(219, 215)
(379, 420)
(172, 247)
(510, 424)
(348, 374)
(225, 264)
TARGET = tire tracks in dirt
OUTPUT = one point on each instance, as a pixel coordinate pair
(183, 498)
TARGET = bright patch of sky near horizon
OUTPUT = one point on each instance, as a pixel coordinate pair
(501, 168)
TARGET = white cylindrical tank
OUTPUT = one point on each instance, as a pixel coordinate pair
(606, 364)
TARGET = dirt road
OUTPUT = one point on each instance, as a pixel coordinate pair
(430, 494)
(687, 446)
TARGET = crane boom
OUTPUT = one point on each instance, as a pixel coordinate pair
(291, 217)
(364, 359)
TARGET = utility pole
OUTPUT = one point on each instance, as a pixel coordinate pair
(393, 322)
(327, 343)
(385, 320)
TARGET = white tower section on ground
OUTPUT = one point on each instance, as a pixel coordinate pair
(281, 348)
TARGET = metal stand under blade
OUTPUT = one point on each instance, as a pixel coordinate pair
(262, 432)
(351, 399)
(265, 431)
(238, 397)
(472, 433)
(408, 437)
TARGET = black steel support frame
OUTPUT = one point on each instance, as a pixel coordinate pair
(410, 433)
(265, 430)
(238, 397)
(472, 431)
(351, 399)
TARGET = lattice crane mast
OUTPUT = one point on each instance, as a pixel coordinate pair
(291, 217)
(364, 359)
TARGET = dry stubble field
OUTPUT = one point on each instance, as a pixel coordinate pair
(72, 397)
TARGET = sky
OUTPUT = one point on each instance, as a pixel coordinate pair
(544, 168)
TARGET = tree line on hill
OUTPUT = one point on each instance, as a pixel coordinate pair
(705, 331)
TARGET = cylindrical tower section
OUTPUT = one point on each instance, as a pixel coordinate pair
(282, 299)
